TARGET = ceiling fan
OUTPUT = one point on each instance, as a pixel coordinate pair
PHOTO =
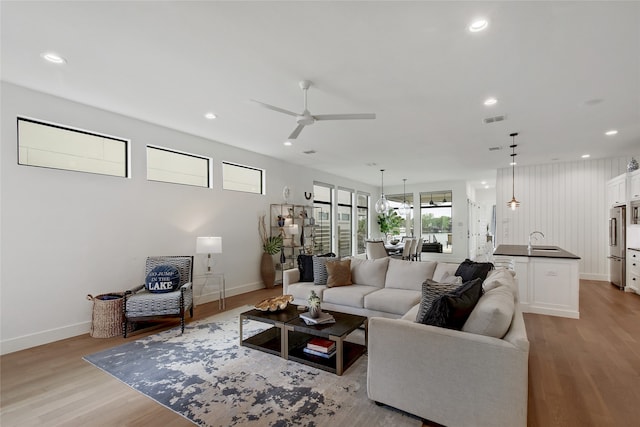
(306, 118)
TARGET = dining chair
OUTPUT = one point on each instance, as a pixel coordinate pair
(406, 251)
(417, 253)
(376, 250)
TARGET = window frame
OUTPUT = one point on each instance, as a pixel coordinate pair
(238, 165)
(209, 167)
(73, 129)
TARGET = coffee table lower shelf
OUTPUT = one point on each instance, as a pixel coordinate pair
(351, 352)
(268, 341)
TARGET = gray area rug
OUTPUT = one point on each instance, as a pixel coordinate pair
(205, 376)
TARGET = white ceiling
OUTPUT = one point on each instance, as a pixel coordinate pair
(563, 74)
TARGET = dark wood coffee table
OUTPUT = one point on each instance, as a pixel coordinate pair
(289, 335)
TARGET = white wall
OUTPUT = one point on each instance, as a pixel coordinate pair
(68, 234)
(567, 202)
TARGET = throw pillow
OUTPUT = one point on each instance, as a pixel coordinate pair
(451, 310)
(305, 266)
(320, 274)
(462, 302)
(163, 278)
(430, 292)
(470, 270)
(339, 273)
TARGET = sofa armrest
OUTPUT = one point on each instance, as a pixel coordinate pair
(447, 376)
(289, 277)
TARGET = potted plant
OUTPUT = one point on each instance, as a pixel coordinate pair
(271, 245)
(389, 223)
(314, 304)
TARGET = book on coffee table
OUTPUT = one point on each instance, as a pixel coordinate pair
(321, 344)
(320, 353)
(323, 318)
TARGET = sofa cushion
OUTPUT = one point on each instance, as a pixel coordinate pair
(470, 270)
(397, 301)
(408, 274)
(411, 314)
(320, 274)
(370, 272)
(500, 277)
(302, 290)
(352, 296)
(444, 269)
(493, 314)
(430, 292)
(452, 310)
(339, 273)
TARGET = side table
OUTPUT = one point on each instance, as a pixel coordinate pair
(207, 279)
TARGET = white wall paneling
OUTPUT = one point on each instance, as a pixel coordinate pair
(68, 234)
(567, 202)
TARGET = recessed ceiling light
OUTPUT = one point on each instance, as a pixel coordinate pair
(586, 156)
(478, 25)
(288, 143)
(486, 186)
(513, 164)
(483, 182)
(54, 58)
(611, 132)
(210, 116)
(490, 101)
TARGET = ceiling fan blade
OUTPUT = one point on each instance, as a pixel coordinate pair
(296, 132)
(274, 108)
(345, 116)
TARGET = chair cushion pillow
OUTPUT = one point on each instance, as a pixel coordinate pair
(339, 273)
(470, 270)
(453, 309)
(163, 278)
(430, 292)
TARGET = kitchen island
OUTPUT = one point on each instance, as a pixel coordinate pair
(548, 278)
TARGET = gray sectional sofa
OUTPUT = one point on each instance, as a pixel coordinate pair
(477, 376)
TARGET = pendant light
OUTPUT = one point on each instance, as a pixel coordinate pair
(444, 198)
(431, 202)
(404, 209)
(513, 204)
(382, 205)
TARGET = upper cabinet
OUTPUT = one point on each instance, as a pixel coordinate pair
(617, 190)
(634, 185)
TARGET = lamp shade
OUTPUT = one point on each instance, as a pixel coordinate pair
(209, 245)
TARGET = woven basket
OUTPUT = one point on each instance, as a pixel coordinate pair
(106, 321)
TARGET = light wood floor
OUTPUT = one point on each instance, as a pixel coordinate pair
(581, 372)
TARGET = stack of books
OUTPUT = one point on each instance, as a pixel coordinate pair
(320, 320)
(320, 347)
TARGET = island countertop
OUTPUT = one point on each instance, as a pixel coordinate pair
(537, 252)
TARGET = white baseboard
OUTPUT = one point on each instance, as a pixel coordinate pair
(45, 337)
(597, 277)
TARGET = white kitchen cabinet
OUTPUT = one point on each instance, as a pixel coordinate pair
(633, 271)
(634, 185)
(617, 190)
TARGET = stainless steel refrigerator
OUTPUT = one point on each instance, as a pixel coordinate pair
(617, 246)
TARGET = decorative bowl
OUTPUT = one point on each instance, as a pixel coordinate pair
(395, 242)
(274, 303)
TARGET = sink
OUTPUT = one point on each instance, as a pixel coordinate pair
(544, 249)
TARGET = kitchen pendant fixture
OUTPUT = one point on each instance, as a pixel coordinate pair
(444, 198)
(513, 204)
(404, 207)
(382, 205)
(431, 202)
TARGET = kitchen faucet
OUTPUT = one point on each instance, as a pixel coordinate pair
(531, 235)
